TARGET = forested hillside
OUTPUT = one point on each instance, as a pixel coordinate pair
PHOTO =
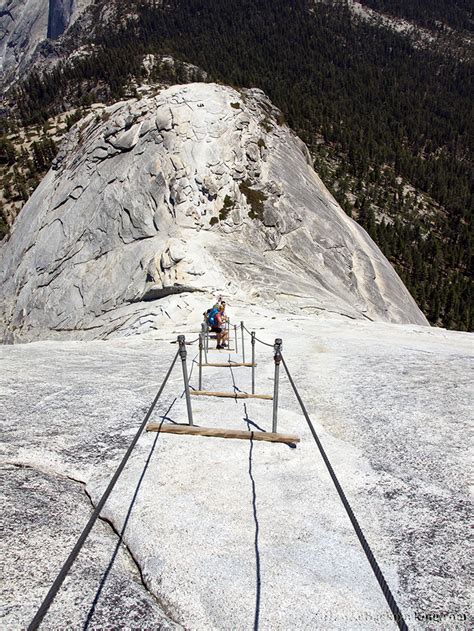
(434, 14)
(389, 123)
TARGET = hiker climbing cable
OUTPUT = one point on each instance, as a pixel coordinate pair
(210, 314)
(219, 327)
(216, 321)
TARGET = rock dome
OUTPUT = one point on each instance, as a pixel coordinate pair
(200, 188)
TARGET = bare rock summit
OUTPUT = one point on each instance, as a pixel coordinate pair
(201, 188)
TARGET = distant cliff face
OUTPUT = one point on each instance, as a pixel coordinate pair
(59, 16)
(201, 188)
(24, 24)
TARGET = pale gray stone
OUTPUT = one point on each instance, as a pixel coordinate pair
(42, 511)
(82, 247)
(25, 24)
(213, 523)
(164, 119)
(127, 139)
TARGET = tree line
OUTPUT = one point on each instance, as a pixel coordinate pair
(384, 110)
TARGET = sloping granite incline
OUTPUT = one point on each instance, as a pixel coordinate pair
(197, 189)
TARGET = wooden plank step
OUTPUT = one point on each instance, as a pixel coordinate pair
(231, 395)
(224, 350)
(218, 352)
(216, 432)
(229, 364)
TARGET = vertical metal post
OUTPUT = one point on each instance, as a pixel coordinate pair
(204, 333)
(276, 383)
(236, 338)
(182, 354)
(200, 360)
(243, 341)
(252, 339)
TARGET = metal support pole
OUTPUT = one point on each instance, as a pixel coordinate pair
(252, 340)
(182, 354)
(236, 338)
(204, 333)
(276, 383)
(200, 360)
(204, 328)
(243, 341)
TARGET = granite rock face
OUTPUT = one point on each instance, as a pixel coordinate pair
(225, 532)
(60, 12)
(196, 189)
(98, 591)
(24, 24)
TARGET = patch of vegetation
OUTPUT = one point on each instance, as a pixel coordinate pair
(280, 119)
(235, 105)
(433, 14)
(7, 151)
(4, 228)
(255, 198)
(266, 124)
(73, 118)
(226, 208)
(21, 169)
(261, 143)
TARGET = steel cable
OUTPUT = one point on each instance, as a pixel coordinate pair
(258, 340)
(235, 387)
(193, 341)
(187, 343)
(397, 614)
(45, 605)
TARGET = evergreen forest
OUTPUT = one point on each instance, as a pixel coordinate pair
(388, 120)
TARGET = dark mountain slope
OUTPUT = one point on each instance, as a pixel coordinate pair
(435, 14)
(389, 123)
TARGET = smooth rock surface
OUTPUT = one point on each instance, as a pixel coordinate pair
(60, 14)
(96, 591)
(25, 24)
(229, 532)
(202, 170)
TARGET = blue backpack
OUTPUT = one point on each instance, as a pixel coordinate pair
(211, 317)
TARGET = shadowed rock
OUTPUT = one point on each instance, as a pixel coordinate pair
(60, 12)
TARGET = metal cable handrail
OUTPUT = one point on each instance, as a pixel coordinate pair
(397, 614)
(45, 605)
(258, 340)
(187, 343)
